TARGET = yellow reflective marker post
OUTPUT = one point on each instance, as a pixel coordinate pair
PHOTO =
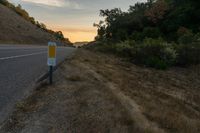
(52, 51)
(51, 54)
(51, 59)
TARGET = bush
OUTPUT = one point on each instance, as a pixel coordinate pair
(125, 48)
(186, 38)
(138, 36)
(188, 49)
(102, 46)
(155, 53)
(188, 54)
(151, 32)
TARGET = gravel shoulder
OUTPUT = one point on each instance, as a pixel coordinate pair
(94, 92)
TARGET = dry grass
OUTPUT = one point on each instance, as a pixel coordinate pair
(74, 78)
(15, 29)
(94, 93)
(168, 98)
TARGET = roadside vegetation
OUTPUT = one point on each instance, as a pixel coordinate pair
(23, 13)
(158, 33)
(98, 93)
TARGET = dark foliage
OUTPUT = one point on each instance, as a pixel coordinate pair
(176, 21)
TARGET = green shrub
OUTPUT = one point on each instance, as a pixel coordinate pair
(197, 38)
(188, 54)
(125, 48)
(151, 32)
(188, 49)
(156, 62)
(155, 53)
(138, 36)
(102, 46)
(186, 38)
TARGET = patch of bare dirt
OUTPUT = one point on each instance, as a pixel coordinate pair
(94, 92)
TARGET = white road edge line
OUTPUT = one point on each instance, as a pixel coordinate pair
(19, 56)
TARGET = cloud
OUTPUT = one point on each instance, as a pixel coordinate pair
(58, 3)
(55, 3)
(72, 4)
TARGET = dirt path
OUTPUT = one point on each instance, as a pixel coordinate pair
(129, 104)
(99, 93)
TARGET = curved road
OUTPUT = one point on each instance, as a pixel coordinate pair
(20, 67)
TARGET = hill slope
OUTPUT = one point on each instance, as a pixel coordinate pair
(102, 93)
(15, 29)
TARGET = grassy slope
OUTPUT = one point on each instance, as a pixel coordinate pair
(15, 29)
(94, 92)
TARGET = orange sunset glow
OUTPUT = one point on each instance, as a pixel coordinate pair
(75, 34)
(74, 18)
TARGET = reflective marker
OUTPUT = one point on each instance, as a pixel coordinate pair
(51, 54)
(51, 59)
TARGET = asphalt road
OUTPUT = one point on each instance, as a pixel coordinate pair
(20, 67)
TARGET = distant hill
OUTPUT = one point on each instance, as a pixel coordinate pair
(17, 27)
(77, 44)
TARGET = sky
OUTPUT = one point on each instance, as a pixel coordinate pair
(74, 18)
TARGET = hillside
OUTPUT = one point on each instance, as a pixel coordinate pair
(16, 29)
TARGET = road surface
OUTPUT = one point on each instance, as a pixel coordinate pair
(20, 67)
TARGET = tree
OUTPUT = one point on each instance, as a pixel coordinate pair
(101, 30)
(157, 11)
(59, 35)
(164, 17)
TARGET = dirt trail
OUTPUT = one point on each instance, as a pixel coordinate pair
(129, 104)
(100, 93)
